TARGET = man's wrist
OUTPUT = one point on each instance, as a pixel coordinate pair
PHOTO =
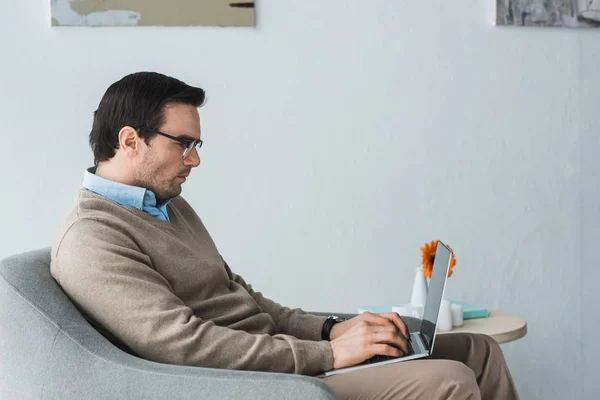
(337, 330)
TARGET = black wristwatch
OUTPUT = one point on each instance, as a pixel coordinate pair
(328, 324)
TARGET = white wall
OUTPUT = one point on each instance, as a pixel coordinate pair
(339, 137)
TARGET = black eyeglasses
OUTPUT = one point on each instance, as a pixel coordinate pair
(189, 144)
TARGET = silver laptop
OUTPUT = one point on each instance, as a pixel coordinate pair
(421, 343)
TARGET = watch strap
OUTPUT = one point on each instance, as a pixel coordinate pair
(328, 324)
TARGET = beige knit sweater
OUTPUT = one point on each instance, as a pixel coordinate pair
(163, 289)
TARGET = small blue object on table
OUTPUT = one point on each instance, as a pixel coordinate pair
(472, 312)
(469, 311)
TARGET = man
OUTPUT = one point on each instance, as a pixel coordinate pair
(137, 260)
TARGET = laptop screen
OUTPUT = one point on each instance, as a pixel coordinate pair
(437, 283)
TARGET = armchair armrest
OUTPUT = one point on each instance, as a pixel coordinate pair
(111, 373)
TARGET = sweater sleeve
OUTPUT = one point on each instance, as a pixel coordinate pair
(107, 276)
(294, 322)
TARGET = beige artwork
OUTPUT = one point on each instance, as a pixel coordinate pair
(152, 12)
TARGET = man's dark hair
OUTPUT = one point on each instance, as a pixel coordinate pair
(137, 100)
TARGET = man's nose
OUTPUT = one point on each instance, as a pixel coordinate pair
(193, 159)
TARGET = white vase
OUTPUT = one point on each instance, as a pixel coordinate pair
(419, 291)
(444, 322)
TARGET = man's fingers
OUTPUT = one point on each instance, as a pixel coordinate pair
(395, 317)
(390, 337)
(388, 319)
(385, 350)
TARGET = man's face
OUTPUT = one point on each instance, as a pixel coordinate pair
(161, 168)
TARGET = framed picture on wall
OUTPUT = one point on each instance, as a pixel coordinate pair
(557, 13)
(152, 12)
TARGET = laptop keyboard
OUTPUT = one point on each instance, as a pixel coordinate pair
(380, 358)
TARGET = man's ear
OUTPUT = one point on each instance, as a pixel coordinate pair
(129, 141)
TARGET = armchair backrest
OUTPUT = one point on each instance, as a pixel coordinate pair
(33, 308)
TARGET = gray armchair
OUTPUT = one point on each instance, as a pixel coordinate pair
(48, 350)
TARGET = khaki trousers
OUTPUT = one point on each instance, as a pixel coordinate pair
(463, 366)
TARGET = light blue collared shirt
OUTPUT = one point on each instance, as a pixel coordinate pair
(126, 195)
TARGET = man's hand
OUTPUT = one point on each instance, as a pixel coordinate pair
(368, 335)
(378, 319)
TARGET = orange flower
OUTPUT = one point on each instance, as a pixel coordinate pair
(428, 256)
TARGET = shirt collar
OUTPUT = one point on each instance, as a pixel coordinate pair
(126, 195)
